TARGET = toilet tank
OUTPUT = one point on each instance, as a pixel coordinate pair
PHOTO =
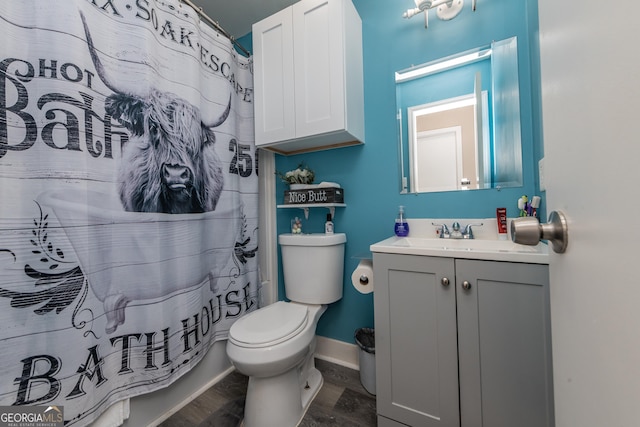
(313, 266)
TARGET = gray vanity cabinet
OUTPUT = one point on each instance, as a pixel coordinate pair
(462, 342)
(416, 347)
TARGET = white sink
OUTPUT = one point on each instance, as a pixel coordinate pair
(497, 250)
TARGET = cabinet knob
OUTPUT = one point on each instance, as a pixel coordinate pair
(445, 281)
(466, 285)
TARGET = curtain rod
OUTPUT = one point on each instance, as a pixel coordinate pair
(217, 26)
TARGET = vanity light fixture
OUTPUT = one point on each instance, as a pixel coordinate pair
(445, 9)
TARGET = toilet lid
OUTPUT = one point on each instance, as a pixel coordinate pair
(269, 325)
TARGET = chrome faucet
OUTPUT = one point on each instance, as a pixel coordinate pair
(444, 230)
(456, 233)
(466, 233)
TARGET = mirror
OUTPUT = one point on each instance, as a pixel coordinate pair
(459, 121)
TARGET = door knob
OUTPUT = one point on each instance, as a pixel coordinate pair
(445, 282)
(466, 285)
(528, 231)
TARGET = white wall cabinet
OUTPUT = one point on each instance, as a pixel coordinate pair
(308, 78)
(462, 342)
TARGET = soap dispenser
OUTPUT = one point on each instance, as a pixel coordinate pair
(402, 227)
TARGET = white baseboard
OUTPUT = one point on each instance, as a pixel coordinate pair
(338, 352)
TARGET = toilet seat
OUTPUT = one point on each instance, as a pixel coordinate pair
(269, 326)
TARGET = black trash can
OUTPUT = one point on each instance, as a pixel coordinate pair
(366, 340)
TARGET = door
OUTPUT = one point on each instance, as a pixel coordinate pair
(439, 154)
(504, 337)
(590, 93)
(416, 347)
(273, 89)
(318, 34)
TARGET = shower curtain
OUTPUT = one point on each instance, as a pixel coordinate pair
(128, 199)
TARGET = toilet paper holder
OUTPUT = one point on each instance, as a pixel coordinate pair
(362, 277)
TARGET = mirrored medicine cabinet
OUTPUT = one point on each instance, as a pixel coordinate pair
(459, 121)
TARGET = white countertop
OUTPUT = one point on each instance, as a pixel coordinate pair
(422, 240)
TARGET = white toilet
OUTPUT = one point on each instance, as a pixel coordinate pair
(274, 345)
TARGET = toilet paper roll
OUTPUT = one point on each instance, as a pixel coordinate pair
(362, 276)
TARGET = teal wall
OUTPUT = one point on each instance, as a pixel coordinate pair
(369, 173)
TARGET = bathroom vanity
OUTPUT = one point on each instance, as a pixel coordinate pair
(463, 335)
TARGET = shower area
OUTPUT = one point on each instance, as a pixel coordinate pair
(129, 214)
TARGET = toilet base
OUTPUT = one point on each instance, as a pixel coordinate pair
(280, 401)
(311, 389)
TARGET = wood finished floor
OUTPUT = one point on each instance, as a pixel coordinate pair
(342, 401)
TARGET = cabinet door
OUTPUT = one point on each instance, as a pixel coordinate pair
(273, 78)
(504, 342)
(318, 34)
(416, 349)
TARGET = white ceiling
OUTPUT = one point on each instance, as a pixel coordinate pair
(236, 16)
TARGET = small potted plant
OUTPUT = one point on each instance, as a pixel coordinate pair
(299, 178)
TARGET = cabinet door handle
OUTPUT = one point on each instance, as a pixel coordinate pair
(445, 281)
(466, 285)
